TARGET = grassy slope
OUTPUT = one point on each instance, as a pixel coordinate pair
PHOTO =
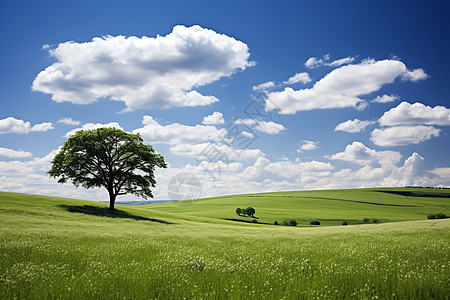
(48, 252)
(331, 207)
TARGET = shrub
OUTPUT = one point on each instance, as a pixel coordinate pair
(345, 223)
(254, 221)
(437, 216)
(315, 222)
(440, 216)
(275, 223)
(366, 220)
(376, 221)
(250, 211)
(290, 222)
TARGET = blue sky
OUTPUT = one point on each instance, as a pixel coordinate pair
(349, 93)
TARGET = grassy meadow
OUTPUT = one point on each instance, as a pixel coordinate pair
(56, 248)
(330, 207)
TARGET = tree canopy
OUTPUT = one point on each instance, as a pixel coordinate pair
(109, 158)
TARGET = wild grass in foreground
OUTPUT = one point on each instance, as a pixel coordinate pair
(49, 252)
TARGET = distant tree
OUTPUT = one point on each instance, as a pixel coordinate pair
(315, 222)
(366, 220)
(345, 223)
(275, 223)
(250, 211)
(441, 216)
(238, 211)
(290, 222)
(376, 221)
(109, 158)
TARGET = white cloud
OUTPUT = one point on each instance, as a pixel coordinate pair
(307, 145)
(298, 77)
(408, 174)
(14, 153)
(256, 169)
(385, 98)
(264, 86)
(338, 89)
(403, 135)
(415, 75)
(69, 121)
(416, 114)
(92, 126)
(174, 134)
(46, 126)
(268, 127)
(214, 119)
(209, 150)
(358, 153)
(340, 62)
(289, 169)
(313, 62)
(441, 172)
(353, 126)
(144, 73)
(12, 125)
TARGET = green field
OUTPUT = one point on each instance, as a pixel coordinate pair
(71, 249)
(330, 207)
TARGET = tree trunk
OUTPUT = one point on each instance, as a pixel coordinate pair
(112, 199)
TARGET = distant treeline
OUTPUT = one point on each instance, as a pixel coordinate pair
(427, 187)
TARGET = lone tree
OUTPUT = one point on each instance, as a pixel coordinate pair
(109, 158)
(250, 211)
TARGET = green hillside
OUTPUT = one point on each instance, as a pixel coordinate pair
(57, 248)
(330, 207)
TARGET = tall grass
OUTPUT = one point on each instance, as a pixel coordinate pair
(53, 253)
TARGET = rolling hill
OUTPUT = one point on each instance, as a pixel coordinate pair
(330, 207)
(74, 249)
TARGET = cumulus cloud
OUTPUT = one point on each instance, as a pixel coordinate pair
(268, 127)
(403, 135)
(358, 153)
(408, 174)
(289, 169)
(92, 126)
(146, 72)
(416, 114)
(340, 62)
(264, 86)
(415, 75)
(313, 62)
(69, 121)
(340, 88)
(307, 145)
(441, 172)
(12, 125)
(215, 119)
(14, 153)
(46, 126)
(209, 150)
(385, 98)
(353, 126)
(298, 77)
(175, 133)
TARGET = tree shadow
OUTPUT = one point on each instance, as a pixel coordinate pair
(105, 212)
